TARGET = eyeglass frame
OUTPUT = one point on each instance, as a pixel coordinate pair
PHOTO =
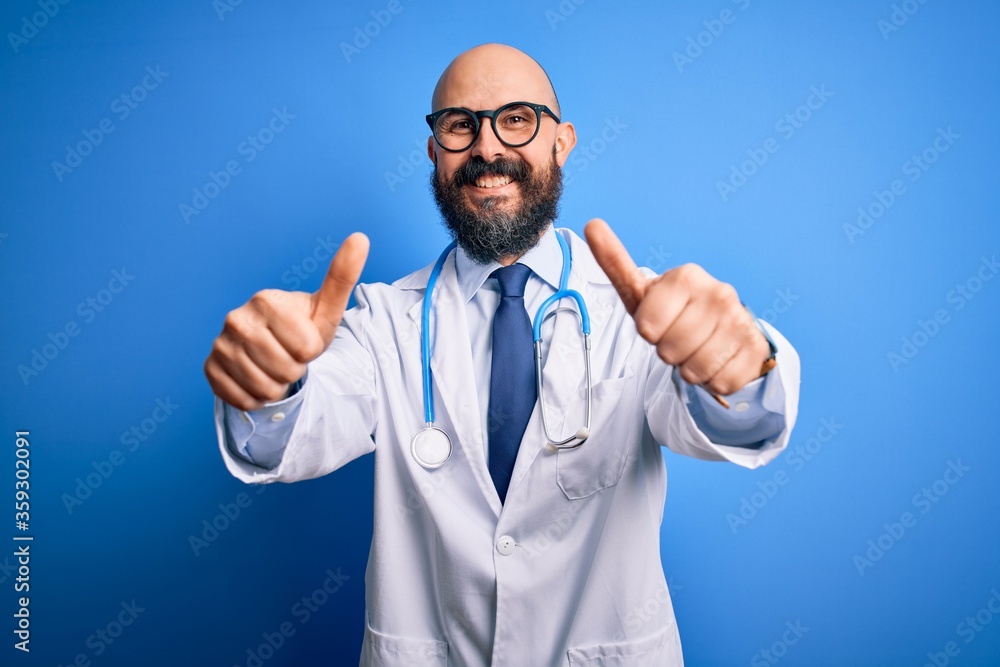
(539, 109)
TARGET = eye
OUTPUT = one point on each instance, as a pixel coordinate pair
(456, 123)
(516, 119)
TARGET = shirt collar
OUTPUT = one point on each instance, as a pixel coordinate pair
(545, 261)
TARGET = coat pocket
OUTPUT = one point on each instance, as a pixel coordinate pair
(598, 463)
(381, 650)
(662, 649)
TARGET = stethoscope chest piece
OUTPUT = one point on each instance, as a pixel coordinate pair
(431, 447)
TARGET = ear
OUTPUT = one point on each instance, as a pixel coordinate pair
(565, 141)
(431, 150)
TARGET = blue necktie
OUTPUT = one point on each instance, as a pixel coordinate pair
(512, 378)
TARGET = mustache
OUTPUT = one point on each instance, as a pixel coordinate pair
(477, 167)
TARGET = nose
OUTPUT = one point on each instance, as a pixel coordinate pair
(487, 145)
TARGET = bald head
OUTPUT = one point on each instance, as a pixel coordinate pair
(491, 75)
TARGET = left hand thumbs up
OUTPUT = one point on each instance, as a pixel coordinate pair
(696, 322)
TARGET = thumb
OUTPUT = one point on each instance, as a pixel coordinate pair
(612, 256)
(330, 301)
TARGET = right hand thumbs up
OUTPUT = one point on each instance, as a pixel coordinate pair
(266, 343)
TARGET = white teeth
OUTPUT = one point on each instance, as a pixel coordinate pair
(493, 181)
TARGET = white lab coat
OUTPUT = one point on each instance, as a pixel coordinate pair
(568, 570)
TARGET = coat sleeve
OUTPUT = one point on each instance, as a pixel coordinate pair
(668, 410)
(335, 422)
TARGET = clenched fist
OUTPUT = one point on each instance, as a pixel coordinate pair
(266, 343)
(696, 322)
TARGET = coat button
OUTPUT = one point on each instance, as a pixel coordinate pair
(505, 545)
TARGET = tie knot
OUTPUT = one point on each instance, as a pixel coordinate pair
(512, 279)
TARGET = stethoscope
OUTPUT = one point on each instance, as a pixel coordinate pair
(431, 447)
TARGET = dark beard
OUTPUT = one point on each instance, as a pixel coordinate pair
(490, 234)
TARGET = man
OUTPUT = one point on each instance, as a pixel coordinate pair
(512, 552)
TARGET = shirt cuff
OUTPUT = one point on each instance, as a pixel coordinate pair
(755, 414)
(260, 436)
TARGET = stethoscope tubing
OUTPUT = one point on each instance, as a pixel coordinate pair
(425, 335)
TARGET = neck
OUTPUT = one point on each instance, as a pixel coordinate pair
(507, 261)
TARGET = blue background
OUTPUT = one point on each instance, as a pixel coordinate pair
(846, 299)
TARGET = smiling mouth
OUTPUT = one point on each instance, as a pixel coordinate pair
(493, 181)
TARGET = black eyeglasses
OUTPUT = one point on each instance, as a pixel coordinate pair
(515, 124)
